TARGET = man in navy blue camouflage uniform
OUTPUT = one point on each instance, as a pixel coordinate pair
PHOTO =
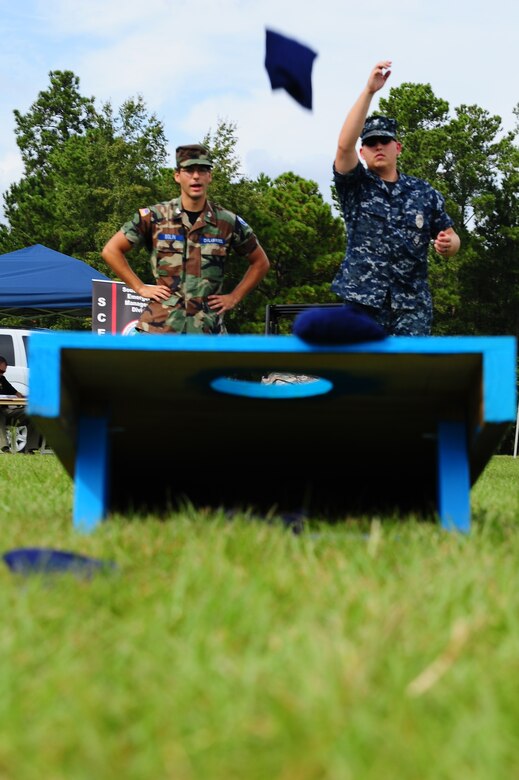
(390, 220)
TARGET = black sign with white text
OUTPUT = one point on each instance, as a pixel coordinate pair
(116, 308)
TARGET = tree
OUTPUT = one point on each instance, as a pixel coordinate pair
(58, 114)
(421, 119)
(481, 176)
(302, 239)
(491, 282)
(86, 171)
(97, 181)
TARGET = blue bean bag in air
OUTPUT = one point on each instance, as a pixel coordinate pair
(289, 66)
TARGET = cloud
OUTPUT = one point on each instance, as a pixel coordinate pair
(11, 164)
(195, 61)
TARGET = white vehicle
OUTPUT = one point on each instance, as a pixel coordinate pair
(13, 347)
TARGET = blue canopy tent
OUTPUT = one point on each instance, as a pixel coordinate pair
(40, 279)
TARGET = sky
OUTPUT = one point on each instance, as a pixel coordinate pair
(198, 63)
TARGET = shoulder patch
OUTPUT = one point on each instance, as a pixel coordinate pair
(241, 221)
(144, 212)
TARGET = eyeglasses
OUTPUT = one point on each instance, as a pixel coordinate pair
(375, 140)
(191, 169)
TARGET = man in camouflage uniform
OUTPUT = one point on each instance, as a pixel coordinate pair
(189, 239)
(390, 220)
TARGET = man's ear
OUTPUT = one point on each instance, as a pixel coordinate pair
(177, 176)
(398, 147)
(361, 152)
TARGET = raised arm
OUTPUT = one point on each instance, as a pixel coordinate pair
(346, 157)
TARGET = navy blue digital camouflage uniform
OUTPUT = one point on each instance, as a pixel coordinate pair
(389, 227)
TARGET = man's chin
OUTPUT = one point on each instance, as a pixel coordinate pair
(379, 166)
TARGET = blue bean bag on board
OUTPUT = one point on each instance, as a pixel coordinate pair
(342, 325)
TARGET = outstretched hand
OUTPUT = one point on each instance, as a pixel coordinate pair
(379, 75)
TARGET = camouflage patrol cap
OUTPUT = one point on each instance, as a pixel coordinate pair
(379, 125)
(193, 154)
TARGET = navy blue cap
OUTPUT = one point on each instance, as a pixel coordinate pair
(379, 125)
(289, 66)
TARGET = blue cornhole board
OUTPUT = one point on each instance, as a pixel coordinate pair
(147, 422)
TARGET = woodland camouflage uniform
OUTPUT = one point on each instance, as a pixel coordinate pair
(190, 260)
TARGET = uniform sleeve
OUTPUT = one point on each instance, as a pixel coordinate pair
(244, 240)
(346, 183)
(441, 220)
(138, 229)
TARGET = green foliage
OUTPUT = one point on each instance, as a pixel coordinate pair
(229, 187)
(33, 320)
(448, 310)
(90, 180)
(301, 237)
(415, 107)
(99, 180)
(57, 115)
(421, 118)
(495, 270)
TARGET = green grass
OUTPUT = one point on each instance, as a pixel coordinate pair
(236, 649)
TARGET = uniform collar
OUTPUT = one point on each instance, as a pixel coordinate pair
(209, 213)
(398, 184)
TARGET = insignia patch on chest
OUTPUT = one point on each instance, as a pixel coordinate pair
(419, 221)
(211, 240)
(144, 212)
(170, 237)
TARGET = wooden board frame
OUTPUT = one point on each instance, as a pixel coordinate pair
(407, 423)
